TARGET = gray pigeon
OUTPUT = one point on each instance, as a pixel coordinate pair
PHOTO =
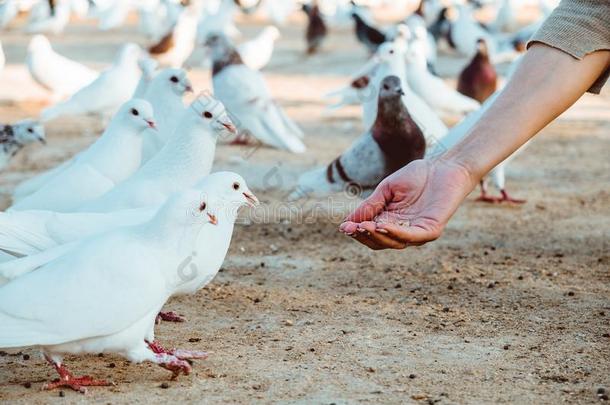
(393, 141)
(14, 137)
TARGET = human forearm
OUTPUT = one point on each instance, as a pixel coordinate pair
(546, 83)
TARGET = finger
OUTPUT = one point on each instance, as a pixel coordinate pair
(348, 227)
(369, 207)
(386, 241)
(369, 229)
(366, 240)
(368, 226)
(414, 235)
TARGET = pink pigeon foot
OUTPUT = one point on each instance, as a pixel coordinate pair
(179, 353)
(169, 317)
(506, 198)
(67, 380)
(173, 364)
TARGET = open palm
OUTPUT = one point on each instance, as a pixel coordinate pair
(410, 207)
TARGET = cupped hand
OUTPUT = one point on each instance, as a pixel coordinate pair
(411, 207)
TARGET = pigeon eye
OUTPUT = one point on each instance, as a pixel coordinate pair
(174, 79)
(134, 112)
(207, 114)
(30, 130)
(386, 87)
(202, 206)
(235, 186)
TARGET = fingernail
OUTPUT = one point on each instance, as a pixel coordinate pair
(361, 230)
(381, 230)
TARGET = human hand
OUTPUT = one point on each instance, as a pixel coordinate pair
(411, 207)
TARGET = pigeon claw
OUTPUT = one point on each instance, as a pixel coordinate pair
(77, 384)
(189, 354)
(177, 366)
(169, 317)
(504, 198)
(179, 353)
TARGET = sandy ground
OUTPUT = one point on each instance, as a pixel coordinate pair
(512, 305)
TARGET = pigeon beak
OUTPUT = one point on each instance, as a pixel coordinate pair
(188, 87)
(42, 140)
(401, 92)
(151, 124)
(213, 219)
(230, 127)
(251, 199)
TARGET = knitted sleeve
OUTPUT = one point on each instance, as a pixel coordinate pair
(578, 27)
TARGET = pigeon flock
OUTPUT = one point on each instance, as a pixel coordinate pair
(138, 216)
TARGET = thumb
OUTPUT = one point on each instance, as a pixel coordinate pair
(369, 208)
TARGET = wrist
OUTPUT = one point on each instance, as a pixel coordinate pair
(463, 169)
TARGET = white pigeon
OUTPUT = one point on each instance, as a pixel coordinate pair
(107, 93)
(165, 94)
(466, 31)
(2, 57)
(114, 157)
(390, 61)
(13, 137)
(257, 52)
(114, 14)
(218, 22)
(8, 11)
(186, 157)
(155, 18)
(29, 233)
(176, 47)
(149, 68)
(106, 293)
(279, 10)
(423, 38)
(245, 94)
(53, 23)
(230, 192)
(432, 89)
(506, 17)
(223, 192)
(56, 73)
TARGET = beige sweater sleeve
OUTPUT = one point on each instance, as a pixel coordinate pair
(578, 27)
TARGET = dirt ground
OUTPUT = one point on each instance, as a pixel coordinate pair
(512, 305)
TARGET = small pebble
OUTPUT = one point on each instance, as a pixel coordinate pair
(412, 376)
(446, 309)
(506, 347)
(28, 385)
(164, 386)
(26, 357)
(520, 278)
(62, 394)
(111, 365)
(194, 340)
(288, 322)
(491, 285)
(370, 370)
(601, 391)
(571, 293)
